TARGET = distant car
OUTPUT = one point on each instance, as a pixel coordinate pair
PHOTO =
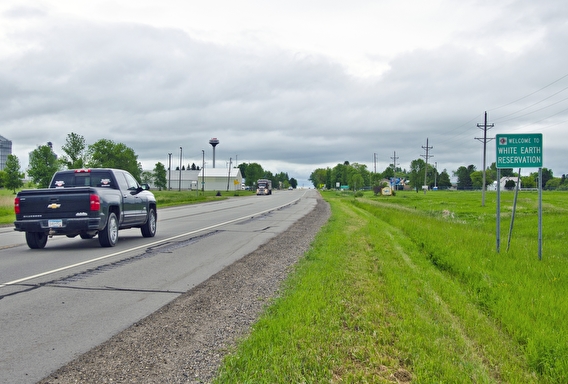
(290, 188)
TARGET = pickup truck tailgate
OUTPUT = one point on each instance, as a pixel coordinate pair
(55, 203)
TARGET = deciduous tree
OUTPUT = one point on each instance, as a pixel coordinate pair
(43, 164)
(254, 172)
(12, 173)
(108, 154)
(75, 151)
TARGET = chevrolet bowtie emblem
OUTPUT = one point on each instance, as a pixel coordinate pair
(54, 206)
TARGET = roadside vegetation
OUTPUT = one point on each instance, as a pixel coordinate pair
(410, 288)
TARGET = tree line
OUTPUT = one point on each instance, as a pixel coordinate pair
(252, 172)
(470, 178)
(357, 176)
(104, 153)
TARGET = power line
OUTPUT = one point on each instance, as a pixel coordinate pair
(530, 94)
(529, 113)
(538, 102)
(447, 138)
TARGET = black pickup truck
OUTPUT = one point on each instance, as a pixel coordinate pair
(85, 202)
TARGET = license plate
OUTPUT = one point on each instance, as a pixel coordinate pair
(55, 223)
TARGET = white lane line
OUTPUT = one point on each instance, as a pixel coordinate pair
(143, 246)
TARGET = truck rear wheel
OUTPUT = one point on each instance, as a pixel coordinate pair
(109, 235)
(36, 240)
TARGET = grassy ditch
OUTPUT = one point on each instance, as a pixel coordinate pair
(410, 287)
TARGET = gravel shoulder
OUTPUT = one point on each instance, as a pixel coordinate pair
(186, 340)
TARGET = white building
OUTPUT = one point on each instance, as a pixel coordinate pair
(493, 186)
(209, 179)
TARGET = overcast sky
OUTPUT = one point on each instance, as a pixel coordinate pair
(294, 85)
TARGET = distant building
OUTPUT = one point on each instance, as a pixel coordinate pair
(5, 150)
(215, 179)
(493, 186)
(50, 145)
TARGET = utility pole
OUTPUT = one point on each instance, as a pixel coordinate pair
(427, 148)
(394, 159)
(375, 161)
(484, 140)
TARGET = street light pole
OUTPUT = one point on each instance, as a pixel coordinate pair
(169, 171)
(229, 175)
(203, 171)
(180, 152)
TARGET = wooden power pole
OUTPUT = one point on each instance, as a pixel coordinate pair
(484, 140)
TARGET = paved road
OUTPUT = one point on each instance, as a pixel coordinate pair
(59, 302)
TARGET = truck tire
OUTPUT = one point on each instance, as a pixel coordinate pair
(109, 235)
(149, 228)
(36, 240)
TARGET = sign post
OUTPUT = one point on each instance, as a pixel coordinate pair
(520, 151)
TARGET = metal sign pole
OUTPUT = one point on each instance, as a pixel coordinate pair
(520, 150)
(498, 207)
(540, 213)
(514, 210)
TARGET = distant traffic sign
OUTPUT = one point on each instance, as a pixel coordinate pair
(519, 150)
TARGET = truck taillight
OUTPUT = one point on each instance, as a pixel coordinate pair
(95, 202)
(17, 205)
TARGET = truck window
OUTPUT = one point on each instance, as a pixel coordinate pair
(130, 181)
(121, 181)
(83, 179)
(102, 179)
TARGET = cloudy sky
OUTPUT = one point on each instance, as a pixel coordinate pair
(294, 85)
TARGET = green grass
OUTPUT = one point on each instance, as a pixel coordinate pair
(412, 286)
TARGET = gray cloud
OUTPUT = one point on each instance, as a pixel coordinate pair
(156, 89)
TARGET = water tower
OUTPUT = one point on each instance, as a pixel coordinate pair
(214, 143)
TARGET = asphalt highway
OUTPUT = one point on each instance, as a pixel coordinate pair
(58, 302)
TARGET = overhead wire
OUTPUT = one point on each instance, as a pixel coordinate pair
(530, 94)
(459, 136)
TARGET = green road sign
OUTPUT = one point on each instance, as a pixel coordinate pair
(522, 150)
